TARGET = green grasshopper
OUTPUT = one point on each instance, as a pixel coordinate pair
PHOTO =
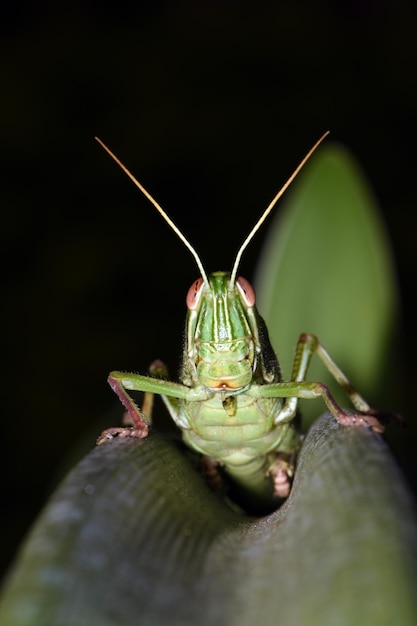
(231, 403)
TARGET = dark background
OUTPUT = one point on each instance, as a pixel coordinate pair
(212, 105)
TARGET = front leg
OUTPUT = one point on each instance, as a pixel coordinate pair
(310, 390)
(298, 387)
(307, 346)
(123, 382)
(139, 418)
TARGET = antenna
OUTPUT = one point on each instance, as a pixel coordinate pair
(271, 206)
(160, 211)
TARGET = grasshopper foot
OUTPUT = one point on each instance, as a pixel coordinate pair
(122, 432)
(281, 472)
(367, 420)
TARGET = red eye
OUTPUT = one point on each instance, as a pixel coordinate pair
(194, 293)
(246, 291)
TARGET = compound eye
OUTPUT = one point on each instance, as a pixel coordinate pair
(194, 293)
(246, 290)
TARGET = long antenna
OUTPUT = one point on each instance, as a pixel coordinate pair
(271, 206)
(159, 209)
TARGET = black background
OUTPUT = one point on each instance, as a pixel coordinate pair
(212, 105)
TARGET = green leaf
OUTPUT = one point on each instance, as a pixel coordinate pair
(134, 536)
(326, 268)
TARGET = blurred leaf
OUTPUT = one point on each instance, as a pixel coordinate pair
(326, 269)
(134, 536)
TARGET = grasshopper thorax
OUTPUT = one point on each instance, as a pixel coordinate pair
(221, 338)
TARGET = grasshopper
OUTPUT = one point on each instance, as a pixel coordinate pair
(231, 402)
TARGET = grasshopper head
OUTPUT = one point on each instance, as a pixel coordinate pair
(222, 344)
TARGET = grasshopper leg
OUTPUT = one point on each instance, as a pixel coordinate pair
(366, 416)
(120, 431)
(136, 420)
(281, 471)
